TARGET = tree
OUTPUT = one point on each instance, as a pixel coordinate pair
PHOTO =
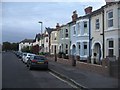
(35, 49)
(6, 46)
(10, 46)
(15, 46)
(26, 49)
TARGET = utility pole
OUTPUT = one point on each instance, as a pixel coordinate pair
(41, 34)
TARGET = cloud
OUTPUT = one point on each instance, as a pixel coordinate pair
(52, 1)
(22, 18)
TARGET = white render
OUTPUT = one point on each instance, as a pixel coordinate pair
(80, 39)
(22, 45)
(97, 37)
(112, 33)
(54, 42)
(46, 42)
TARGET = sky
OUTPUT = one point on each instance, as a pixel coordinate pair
(20, 19)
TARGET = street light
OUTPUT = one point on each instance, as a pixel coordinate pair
(41, 34)
(41, 26)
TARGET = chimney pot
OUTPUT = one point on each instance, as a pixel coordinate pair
(57, 26)
(88, 10)
(74, 16)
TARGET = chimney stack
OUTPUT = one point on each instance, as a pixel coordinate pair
(88, 10)
(74, 16)
(109, 1)
(57, 26)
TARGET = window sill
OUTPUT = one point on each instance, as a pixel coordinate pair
(79, 35)
(66, 38)
(97, 30)
(85, 34)
(111, 29)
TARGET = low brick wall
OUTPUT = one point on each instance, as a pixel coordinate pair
(100, 69)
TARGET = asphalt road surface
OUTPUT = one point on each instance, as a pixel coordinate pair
(15, 74)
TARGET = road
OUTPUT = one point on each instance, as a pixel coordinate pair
(15, 74)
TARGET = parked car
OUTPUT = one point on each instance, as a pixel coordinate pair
(27, 57)
(37, 61)
(23, 55)
(18, 54)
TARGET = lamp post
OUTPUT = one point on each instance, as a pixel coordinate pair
(41, 25)
(41, 34)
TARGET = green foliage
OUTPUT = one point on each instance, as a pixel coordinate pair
(42, 53)
(26, 49)
(60, 54)
(10, 46)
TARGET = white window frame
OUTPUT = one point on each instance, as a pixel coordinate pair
(109, 19)
(79, 46)
(78, 24)
(66, 49)
(97, 23)
(85, 50)
(85, 29)
(74, 30)
(66, 33)
(110, 48)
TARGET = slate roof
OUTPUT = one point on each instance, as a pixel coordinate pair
(27, 41)
(94, 12)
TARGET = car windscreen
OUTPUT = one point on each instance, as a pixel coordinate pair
(39, 58)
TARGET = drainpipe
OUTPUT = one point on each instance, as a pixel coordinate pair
(89, 37)
(103, 33)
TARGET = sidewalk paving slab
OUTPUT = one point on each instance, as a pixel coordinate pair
(85, 78)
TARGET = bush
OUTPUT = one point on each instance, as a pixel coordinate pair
(60, 54)
(65, 56)
(41, 53)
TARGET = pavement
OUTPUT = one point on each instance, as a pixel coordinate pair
(82, 78)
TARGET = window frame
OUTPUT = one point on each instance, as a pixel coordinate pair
(97, 24)
(85, 49)
(66, 33)
(110, 48)
(78, 24)
(109, 19)
(85, 27)
(74, 30)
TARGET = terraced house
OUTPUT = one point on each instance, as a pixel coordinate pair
(54, 41)
(80, 36)
(25, 43)
(95, 34)
(64, 39)
(105, 31)
(112, 29)
(46, 42)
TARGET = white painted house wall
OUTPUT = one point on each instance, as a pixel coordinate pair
(22, 45)
(112, 33)
(80, 39)
(97, 38)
